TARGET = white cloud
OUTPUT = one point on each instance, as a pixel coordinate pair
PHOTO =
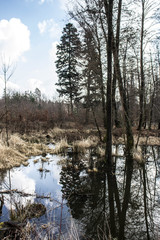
(53, 57)
(23, 183)
(34, 83)
(14, 38)
(42, 26)
(10, 86)
(53, 51)
(66, 4)
(43, 1)
(50, 26)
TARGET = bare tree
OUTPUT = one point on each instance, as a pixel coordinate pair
(7, 70)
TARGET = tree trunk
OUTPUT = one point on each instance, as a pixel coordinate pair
(109, 9)
(142, 84)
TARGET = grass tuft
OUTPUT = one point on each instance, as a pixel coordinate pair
(137, 155)
(81, 146)
(61, 146)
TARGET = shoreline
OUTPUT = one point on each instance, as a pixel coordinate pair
(22, 147)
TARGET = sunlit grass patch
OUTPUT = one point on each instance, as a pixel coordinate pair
(16, 141)
(10, 157)
(25, 164)
(61, 146)
(19, 150)
(81, 146)
(43, 159)
(57, 133)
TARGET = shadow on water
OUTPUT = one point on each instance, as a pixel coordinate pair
(123, 202)
(126, 198)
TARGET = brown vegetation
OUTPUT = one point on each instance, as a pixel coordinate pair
(21, 147)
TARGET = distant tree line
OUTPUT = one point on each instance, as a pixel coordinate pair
(30, 111)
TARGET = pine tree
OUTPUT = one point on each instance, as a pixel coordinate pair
(67, 64)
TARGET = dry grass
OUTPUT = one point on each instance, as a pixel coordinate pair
(137, 155)
(21, 147)
(81, 146)
(58, 133)
(61, 146)
(149, 140)
(18, 151)
(101, 151)
(10, 157)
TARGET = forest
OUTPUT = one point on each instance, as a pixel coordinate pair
(106, 121)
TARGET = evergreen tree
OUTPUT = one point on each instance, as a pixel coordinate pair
(67, 64)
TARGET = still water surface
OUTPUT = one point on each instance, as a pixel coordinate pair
(84, 195)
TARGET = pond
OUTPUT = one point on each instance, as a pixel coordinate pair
(78, 200)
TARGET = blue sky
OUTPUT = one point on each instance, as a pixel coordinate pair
(29, 32)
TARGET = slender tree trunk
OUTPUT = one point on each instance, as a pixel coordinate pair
(117, 123)
(152, 97)
(102, 91)
(110, 181)
(142, 84)
(109, 12)
(95, 120)
(71, 97)
(129, 171)
(114, 109)
(6, 106)
(109, 82)
(88, 102)
(130, 142)
(100, 62)
(145, 201)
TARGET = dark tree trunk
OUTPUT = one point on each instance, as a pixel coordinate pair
(142, 84)
(122, 218)
(109, 9)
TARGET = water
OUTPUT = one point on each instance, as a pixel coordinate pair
(37, 184)
(85, 194)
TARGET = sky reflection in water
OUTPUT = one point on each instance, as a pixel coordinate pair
(86, 193)
(30, 180)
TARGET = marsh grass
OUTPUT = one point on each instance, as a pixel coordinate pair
(82, 145)
(19, 151)
(46, 231)
(80, 140)
(137, 155)
(10, 157)
(35, 161)
(59, 133)
(61, 146)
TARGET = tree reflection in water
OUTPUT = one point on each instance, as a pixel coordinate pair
(133, 209)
